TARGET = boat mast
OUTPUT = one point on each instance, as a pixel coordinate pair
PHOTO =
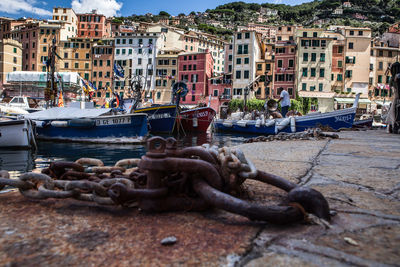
(51, 89)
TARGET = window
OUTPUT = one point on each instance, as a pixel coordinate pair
(349, 73)
(139, 61)
(380, 54)
(86, 65)
(291, 63)
(312, 72)
(322, 57)
(312, 88)
(305, 57)
(239, 36)
(247, 35)
(304, 86)
(379, 78)
(304, 34)
(320, 87)
(323, 43)
(315, 34)
(245, 49)
(348, 89)
(259, 66)
(351, 45)
(351, 32)
(360, 33)
(321, 73)
(108, 62)
(76, 65)
(123, 51)
(313, 56)
(44, 49)
(340, 77)
(340, 64)
(332, 77)
(246, 74)
(140, 51)
(238, 61)
(340, 49)
(380, 66)
(240, 51)
(246, 60)
(238, 74)
(66, 65)
(304, 72)
(280, 63)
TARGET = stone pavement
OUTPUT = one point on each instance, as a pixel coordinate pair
(359, 174)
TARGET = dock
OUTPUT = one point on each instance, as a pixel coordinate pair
(359, 175)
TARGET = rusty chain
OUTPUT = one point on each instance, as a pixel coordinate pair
(310, 134)
(171, 179)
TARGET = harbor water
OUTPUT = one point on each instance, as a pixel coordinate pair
(20, 161)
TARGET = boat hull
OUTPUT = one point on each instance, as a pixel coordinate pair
(161, 118)
(16, 133)
(197, 120)
(335, 120)
(114, 126)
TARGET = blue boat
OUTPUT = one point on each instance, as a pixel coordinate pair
(162, 118)
(89, 125)
(337, 119)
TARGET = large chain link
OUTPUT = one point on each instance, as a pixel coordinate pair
(168, 179)
(310, 134)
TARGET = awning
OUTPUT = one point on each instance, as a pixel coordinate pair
(59, 113)
(316, 94)
(351, 100)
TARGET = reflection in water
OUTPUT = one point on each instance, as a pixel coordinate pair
(24, 160)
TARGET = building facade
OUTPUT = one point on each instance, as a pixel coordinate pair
(195, 69)
(166, 75)
(10, 58)
(285, 68)
(247, 50)
(93, 25)
(314, 66)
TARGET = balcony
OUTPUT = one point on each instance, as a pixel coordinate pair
(225, 97)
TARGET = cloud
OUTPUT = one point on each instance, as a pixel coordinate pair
(106, 7)
(22, 6)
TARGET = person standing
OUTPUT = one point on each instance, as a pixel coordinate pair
(285, 101)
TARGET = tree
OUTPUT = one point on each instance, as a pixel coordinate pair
(164, 14)
(192, 13)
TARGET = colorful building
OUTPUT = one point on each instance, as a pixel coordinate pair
(247, 50)
(102, 69)
(220, 88)
(382, 57)
(36, 38)
(195, 69)
(285, 68)
(166, 75)
(10, 58)
(314, 65)
(68, 18)
(93, 25)
(76, 56)
(265, 70)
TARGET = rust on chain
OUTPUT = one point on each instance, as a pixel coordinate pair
(168, 178)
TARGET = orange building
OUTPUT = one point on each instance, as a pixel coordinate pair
(93, 25)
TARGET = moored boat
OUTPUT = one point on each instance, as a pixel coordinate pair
(17, 133)
(196, 119)
(162, 118)
(89, 125)
(335, 120)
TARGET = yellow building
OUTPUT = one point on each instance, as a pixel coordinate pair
(265, 69)
(314, 66)
(382, 57)
(166, 75)
(77, 56)
(10, 57)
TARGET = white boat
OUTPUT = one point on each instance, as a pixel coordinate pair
(18, 133)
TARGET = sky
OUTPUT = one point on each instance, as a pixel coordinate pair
(42, 9)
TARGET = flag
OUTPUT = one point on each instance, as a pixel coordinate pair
(60, 100)
(118, 70)
(93, 86)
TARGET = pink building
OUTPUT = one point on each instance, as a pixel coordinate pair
(195, 69)
(93, 25)
(220, 88)
(285, 59)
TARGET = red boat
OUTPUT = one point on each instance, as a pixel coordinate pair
(197, 119)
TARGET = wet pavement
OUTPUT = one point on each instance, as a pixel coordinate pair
(359, 174)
